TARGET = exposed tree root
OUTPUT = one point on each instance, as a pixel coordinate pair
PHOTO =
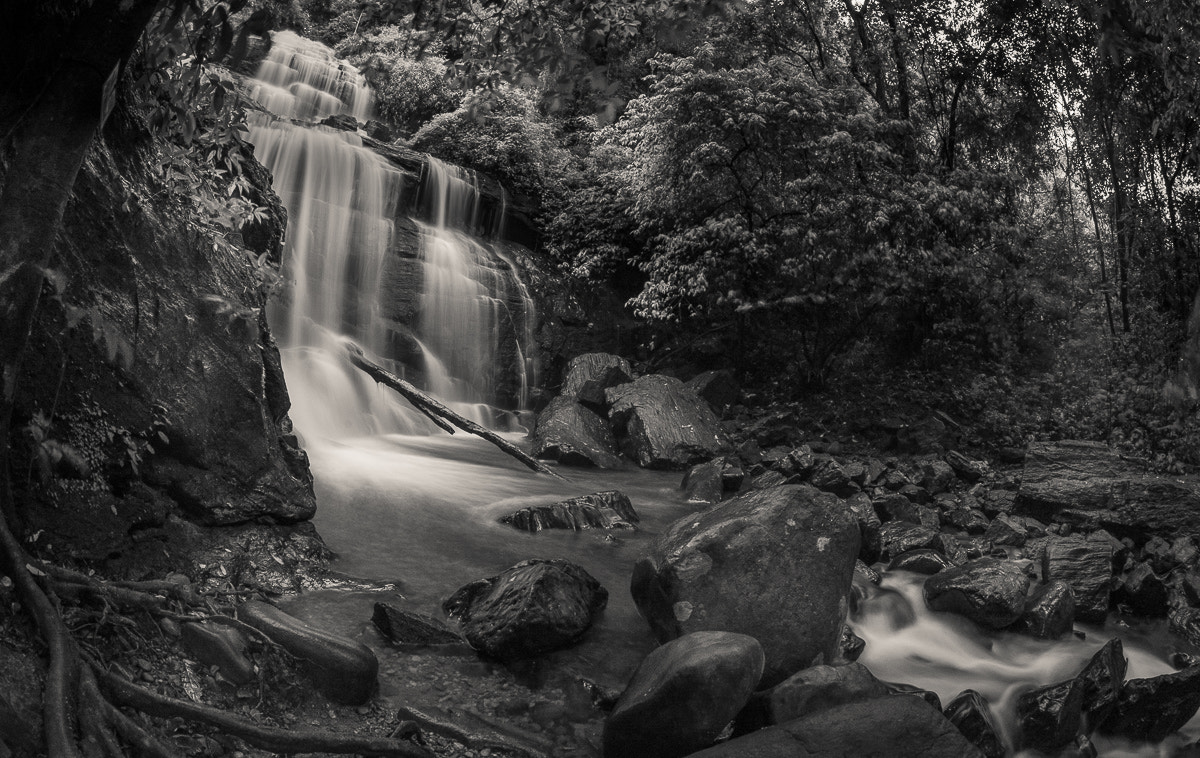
(439, 413)
(266, 738)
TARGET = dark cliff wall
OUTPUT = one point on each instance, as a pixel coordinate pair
(153, 411)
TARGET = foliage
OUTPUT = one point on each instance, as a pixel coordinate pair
(411, 84)
(502, 134)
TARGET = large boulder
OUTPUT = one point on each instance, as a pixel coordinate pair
(987, 591)
(662, 424)
(897, 726)
(1087, 484)
(601, 510)
(573, 435)
(1084, 563)
(1148, 710)
(592, 367)
(534, 607)
(1102, 678)
(775, 564)
(410, 628)
(683, 695)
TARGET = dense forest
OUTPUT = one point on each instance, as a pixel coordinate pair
(827, 193)
(939, 258)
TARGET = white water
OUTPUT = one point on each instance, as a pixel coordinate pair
(946, 653)
(342, 201)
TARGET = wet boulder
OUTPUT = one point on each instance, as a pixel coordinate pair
(936, 476)
(1102, 678)
(573, 435)
(1149, 710)
(683, 694)
(897, 726)
(896, 507)
(1049, 611)
(808, 691)
(1049, 717)
(1005, 530)
(896, 537)
(661, 424)
(343, 669)
(868, 524)
(970, 471)
(920, 562)
(591, 367)
(1088, 484)
(410, 628)
(600, 510)
(831, 476)
(970, 520)
(534, 607)
(970, 713)
(851, 646)
(987, 591)
(774, 563)
(1185, 622)
(1086, 565)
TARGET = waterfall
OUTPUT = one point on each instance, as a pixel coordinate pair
(343, 202)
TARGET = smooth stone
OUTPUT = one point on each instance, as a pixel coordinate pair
(987, 591)
(775, 564)
(409, 628)
(600, 510)
(573, 435)
(1049, 716)
(683, 694)
(531, 608)
(1049, 611)
(970, 713)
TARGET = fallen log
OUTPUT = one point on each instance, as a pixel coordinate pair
(438, 412)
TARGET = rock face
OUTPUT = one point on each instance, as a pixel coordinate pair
(774, 563)
(573, 435)
(1086, 565)
(987, 591)
(1087, 484)
(601, 510)
(898, 726)
(534, 607)
(662, 424)
(683, 694)
(150, 356)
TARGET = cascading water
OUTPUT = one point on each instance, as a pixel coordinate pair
(343, 200)
(469, 294)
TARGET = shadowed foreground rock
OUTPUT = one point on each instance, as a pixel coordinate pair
(970, 713)
(775, 564)
(683, 694)
(662, 424)
(808, 691)
(897, 726)
(534, 607)
(1151, 709)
